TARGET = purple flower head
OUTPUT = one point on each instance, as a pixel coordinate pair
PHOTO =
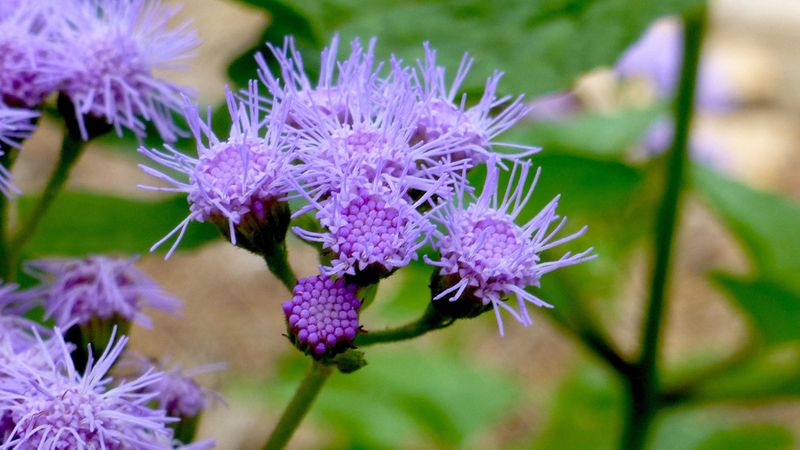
(15, 126)
(233, 182)
(440, 112)
(370, 229)
(322, 315)
(117, 46)
(98, 287)
(485, 256)
(656, 57)
(56, 407)
(338, 80)
(30, 67)
(15, 330)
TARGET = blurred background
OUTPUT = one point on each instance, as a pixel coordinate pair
(734, 291)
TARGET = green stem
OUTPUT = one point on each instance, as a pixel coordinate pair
(71, 150)
(643, 381)
(299, 406)
(430, 320)
(278, 263)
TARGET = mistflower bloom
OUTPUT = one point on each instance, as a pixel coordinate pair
(15, 330)
(30, 61)
(15, 126)
(238, 183)
(338, 81)
(656, 57)
(117, 47)
(322, 316)
(486, 257)
(369, 229)
(56, 407)
(98, 287)
(440, 112)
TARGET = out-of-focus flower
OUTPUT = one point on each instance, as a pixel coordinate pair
(117, 46)
(554, 106)
(322, 316)
(15, 126)
(31, 64)
(656, 57)
(703, 147)
(98, 288)
(485, 257)
(440, 112)
(57, 407)
(238, 183)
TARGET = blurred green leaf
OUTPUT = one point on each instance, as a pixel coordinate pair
(600, 135)
(541, 45)
(405, 399)
(80, 222)
(774, 310)
(750, 437)
(766, 223)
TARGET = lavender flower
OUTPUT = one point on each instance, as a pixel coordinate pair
(15, 126)
(554, 106)
(29, 59)
(98, 287)
(238, 183)
(441, 113)
(56, 407)
(656, 57)
(370, 229)
(486, 256)
(322, 315)
(15, 336)
(117, 45)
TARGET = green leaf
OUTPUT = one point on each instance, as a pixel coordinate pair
(405, 399)
(766, 223)
(80, 222)
(750, 437)
(541, 45)
(600, 135)
(773, 309)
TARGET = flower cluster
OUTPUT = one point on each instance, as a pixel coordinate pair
(375, 157)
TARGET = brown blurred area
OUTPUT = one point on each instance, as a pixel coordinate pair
(232, 312)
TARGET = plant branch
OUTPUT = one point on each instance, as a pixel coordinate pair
(430, 321)
(277, 260)
(643, 381)
(299, 405)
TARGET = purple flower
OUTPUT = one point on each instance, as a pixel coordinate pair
(656, 57)
(369, 227)
(485, 257)
(338, 80)
(15, 330)
(116, 47)
(322, 315)
(554, 106)
(58, 408)
(15, 126)
(440, 112)
(703, 147)
(30, 60)
(80, 290)
(231, 181)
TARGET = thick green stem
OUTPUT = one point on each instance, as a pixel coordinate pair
(430, 320)
(71, 150)
(299, 406)
(278, 263)
(643, 382)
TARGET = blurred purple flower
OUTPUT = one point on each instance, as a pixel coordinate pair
(703, 148)
(554, 106)
(79, 290)
(322, 315)
(657, 56)
(116, 47)
(486, 256)
(56, 407)
(232, 179)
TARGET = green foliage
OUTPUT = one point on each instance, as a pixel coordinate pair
(81, 223)
(750, 437)
(404, 398)
(541, 45)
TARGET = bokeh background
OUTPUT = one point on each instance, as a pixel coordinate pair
(466, 387)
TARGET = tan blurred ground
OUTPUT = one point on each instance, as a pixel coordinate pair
(232, 313)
